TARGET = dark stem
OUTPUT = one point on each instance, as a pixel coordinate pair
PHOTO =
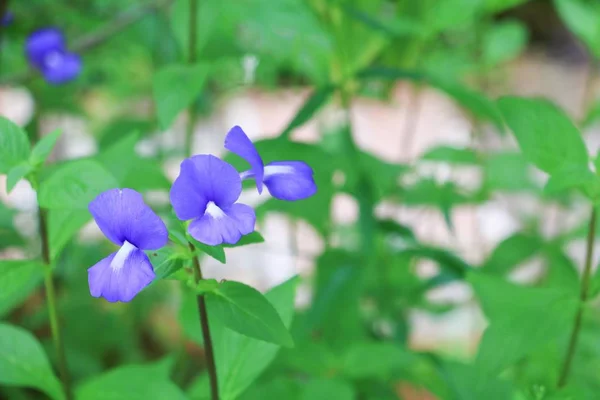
(98, 37)
(52, 306)
(583, 296)
(208, 346)
(192, 55)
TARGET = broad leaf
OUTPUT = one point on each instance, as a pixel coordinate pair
(576, 176)
(43, 148)
(175, 87)
(511, 252)
(326, 389)
(245, 310)
(23, 362)
(74, 185)
(546, 136)
(521, 320)
(14, 145)
(166, 262)
(143, 382)
(375, 360)
(18, 278)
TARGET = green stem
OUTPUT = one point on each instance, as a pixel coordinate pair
(208, 346)
(583, 296)
(192, 55)
(52, 306)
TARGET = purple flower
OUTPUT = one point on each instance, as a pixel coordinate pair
(206, 192)
(285, 180)
(127, 221)
(7, 18)
(46, 51)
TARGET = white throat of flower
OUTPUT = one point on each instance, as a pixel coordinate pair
(271, 170)
(53, 59)
(214, 211)
(119, 260)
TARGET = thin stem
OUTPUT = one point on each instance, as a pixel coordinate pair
(208, 346)
(583, 296)
(192, 55)
(52, 307)
(86, 42)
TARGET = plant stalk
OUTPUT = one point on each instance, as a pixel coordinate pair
(52, 306)
(208, 345)
(583, 297)
(192, 56)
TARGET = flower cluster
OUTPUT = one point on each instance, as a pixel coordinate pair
(206, 194)
(47, 51)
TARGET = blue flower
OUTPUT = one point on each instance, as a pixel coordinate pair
(47, 52)
(206, 192)
(285, 180)
(7, 18)
(127, 221)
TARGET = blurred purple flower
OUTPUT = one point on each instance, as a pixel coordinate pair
(206, 192)
(7, 18)
(127, 221)
(285, 180)
(46, 50)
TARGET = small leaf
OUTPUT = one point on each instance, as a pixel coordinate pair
(452, 155)
(15, 174)
(74, 185)
(206, 286)
(23, 362)
(215, 252)
(175, 87)
(166, 262)
(43, 148)
(546, 136)
(143, 382)
(18, 278)
(251, 238)
(245, 310)
(317, 99)
(582, 19)
(503, 42)
(511, 252)
(14, 145)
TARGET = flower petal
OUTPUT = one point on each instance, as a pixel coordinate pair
(61, 67)
(202, 179)
(219, 226)
(290, 180)
(238, 142)
(41, 42)
(122, 215)
(120, 282)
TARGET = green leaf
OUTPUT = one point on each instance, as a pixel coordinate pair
(546, 136)
(175, 87)
(521, 320)
(469, 382)
(215, 252)
(574, 177)
(241, 359)
(328, 389)
(582, 19)
(452, 155)
(508, 171)
(503, 42)
(251, 238)
(245, 310)
(63, 225)
(317, 99)
(131, 170)
(166, 262)
(15, 174)
(374, 360)
(23, 362)
(8, 234)
(143, 382)
(14, 145)
(511, 252)
(43, 148)
(18, 278)
(74, 185)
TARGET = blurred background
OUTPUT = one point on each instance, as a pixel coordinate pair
(444, 169)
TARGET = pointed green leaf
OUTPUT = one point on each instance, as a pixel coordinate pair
(74, 185)
(582, 19)
(175, 87)
(43, 148)
(23, 362)
(316, 101)
(18, 278)
(245, 310)
(14, 145)
(15, 174)
(546, 136)
(251, 238)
